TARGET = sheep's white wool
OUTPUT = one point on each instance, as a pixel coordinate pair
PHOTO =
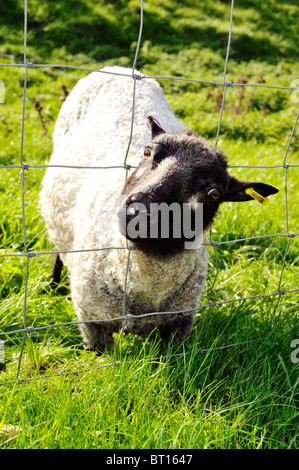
(79, 205)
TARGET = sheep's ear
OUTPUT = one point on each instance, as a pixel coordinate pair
(154, 126)
(236, 190)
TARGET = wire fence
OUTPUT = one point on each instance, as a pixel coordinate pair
(209, 305)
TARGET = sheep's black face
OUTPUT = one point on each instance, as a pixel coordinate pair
(174, 194)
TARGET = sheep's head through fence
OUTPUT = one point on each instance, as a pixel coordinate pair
(172, 197)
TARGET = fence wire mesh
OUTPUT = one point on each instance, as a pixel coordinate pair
(29, 67)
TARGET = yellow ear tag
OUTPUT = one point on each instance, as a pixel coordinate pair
(257, 196)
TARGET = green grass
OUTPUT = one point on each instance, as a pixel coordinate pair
(237, 397)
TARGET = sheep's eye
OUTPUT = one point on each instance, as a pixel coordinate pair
(147, 152)
(214, 194)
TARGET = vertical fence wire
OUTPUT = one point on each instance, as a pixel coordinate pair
(209, 304)
(22, 174)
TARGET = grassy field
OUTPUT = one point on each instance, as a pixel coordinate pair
(242, 397)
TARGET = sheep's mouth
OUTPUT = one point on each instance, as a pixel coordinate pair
(155, 231)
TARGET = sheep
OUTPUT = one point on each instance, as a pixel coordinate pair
(91, 208)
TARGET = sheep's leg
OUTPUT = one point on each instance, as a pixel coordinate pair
(56, 271)
(96, 337)
(176, 328)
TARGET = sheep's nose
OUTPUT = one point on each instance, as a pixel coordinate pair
(134, 198)
(131, 200)
(135, 203)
